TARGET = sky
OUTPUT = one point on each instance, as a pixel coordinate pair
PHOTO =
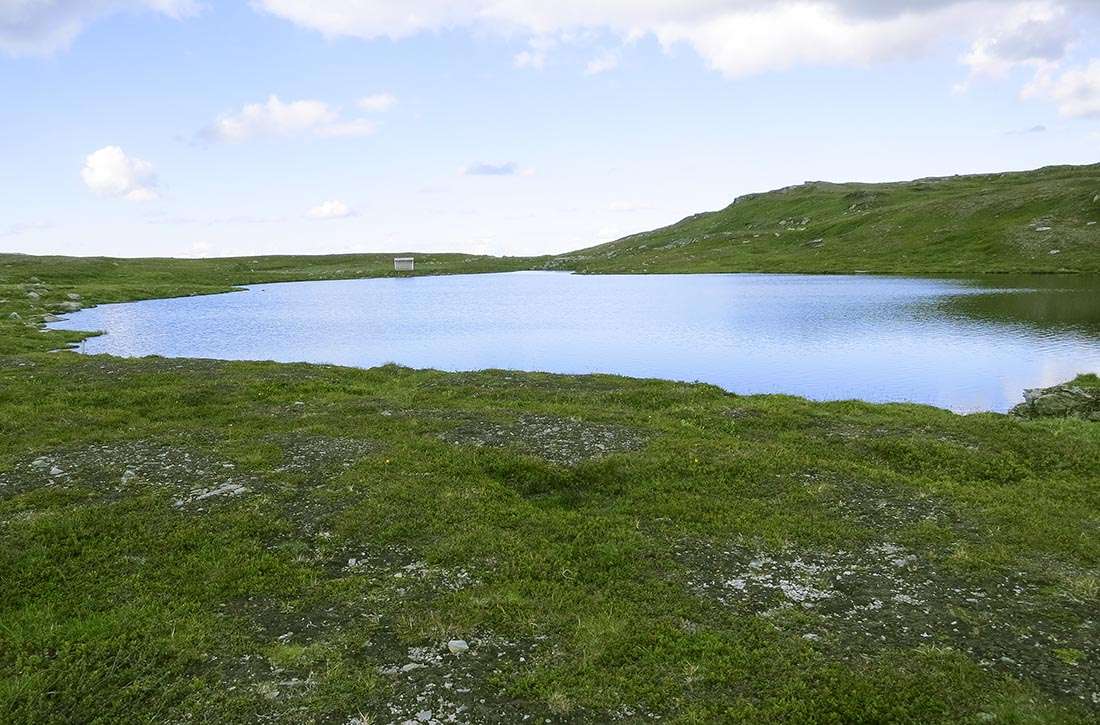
(216, 128)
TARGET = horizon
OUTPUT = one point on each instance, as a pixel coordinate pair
(174, 128)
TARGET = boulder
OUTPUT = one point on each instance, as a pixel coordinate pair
(73, 296)
(1061, 401)
(33, 296)
(69, 306)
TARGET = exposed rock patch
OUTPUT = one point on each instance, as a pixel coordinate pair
(317, 454)
(567, 441)
(1070, 400)
(195, 478)
(855, 603)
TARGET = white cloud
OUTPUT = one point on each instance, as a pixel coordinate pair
(1076, 91)
(333, 209)
(40, 27)
(735, 37)
(605, 61)
(538, 49)
(274, 118)
(110, 172)
(377, 103)
(1035, 35)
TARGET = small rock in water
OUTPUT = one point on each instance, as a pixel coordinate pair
(458, 646)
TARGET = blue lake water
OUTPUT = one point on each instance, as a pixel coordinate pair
(961, 345)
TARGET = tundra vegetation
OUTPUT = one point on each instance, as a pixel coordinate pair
(195, 540)
(1046, 220)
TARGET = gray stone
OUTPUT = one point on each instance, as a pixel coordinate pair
(33, 296)
(14, 316)
(458, 646)
(1060, 401)
(74, 297)
(55, 471)
(70, 306)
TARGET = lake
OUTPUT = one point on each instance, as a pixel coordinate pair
(963, 345)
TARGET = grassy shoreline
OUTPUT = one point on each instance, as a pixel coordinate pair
(195, 540)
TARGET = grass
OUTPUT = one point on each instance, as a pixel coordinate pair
(1087, 380)
(198, 540)
(1046, 220)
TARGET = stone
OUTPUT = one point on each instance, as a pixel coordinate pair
(1096, 199)
(14, 316)
(33, 296)
(70, 306)
(74, 297)
(815, 243)
(55, 471)
(424, 715)
(458, 646)
(1060, 401)
(51, 318)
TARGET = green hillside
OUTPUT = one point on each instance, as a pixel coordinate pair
(1035, 221)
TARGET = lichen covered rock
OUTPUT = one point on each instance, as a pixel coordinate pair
(1077, 399)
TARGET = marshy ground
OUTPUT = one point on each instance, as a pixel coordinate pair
(189, 541)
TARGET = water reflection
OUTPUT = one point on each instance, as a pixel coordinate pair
(963, 345)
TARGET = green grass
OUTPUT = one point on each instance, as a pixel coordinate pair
(1088, 380)
(949, 563)
(1036, 221)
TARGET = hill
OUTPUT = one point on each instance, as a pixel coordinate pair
(1046, 220)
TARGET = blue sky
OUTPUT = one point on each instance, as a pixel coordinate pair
(187, 128)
